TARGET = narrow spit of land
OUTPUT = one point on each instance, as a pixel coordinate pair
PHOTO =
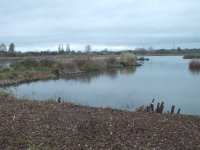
(29, 69)
(52, 125)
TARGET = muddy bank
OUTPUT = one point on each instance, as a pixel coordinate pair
(52, 125)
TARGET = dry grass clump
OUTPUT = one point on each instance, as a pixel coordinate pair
(194, 65)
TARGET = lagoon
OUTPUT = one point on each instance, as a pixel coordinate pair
(165, 78)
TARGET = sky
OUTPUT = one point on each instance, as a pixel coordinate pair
(35, 25)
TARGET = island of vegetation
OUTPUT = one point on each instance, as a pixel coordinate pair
(33, 69)
(195, 65)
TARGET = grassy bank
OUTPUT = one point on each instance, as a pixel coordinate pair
(28, 70)
(51, 125)
(25, 71)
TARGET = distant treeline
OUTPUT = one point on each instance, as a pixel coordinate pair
(177, 51)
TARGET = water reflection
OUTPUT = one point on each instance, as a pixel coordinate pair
(194, 71)
(87, 77)
(128, 71)
(194, 67)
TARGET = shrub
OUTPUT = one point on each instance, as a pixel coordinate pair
(92, 67)
(111, 62)
(82, 62)
(5, 69)
(29, 63)
(128, 59)
(143, 59)
(25, 63)
(70, 67)
(194, 65)
(47, 63)
(56, 72)
(12, 75)
(28, 74)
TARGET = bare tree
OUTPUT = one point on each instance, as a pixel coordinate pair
(3, 47)
(59, 48)
(62, 48)
(67, 48)
(88, 49)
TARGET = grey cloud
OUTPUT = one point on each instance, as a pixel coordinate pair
(117, 23)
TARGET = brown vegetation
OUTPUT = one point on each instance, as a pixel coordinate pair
(194, 65)
(37, 69)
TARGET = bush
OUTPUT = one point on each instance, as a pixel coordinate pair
(12, 76)
(29, 63)
(82, 62)
(56, 72)
(143, 59)
(92, 67)
(70, 68)
(111, 62)
(28, 74)
(47, 63)
(25, 63)
(194, 65)
(5, 69)
(128, 59)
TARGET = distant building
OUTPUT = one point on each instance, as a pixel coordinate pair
(3, 47)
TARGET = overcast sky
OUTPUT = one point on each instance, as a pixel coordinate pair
(115, 24)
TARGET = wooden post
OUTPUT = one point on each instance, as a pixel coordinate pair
(172, 109)
(59, 100)
(161, 108)
(179, 110)
(157, 108)
(151, 107)
(147, 109)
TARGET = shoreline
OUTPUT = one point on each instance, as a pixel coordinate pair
(29, 70)
(13, 82)
(51, 125)
(47, 76)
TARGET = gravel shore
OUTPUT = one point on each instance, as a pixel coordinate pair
(51, 125)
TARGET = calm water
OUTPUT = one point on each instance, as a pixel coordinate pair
(163, 78)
